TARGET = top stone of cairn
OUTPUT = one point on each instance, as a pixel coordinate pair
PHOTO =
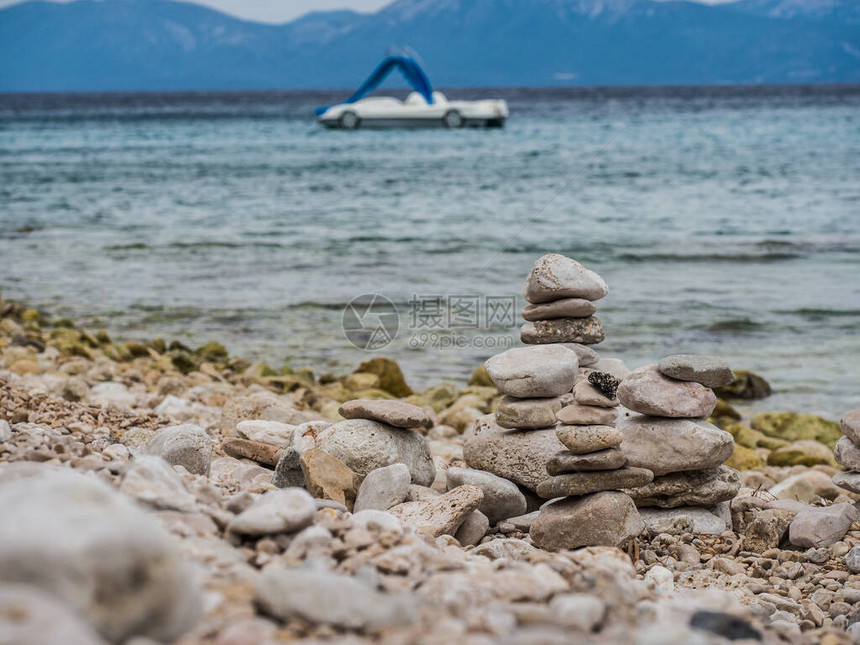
(555, 277)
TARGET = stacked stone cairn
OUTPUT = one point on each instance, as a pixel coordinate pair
(847, 452)
(672, 438)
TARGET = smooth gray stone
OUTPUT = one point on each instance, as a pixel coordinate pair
(80, 540)
(576, 414)
(584, 393)
(563, 308)
(365, 445)
(383, 488)
(603, 519)
(285, 510)
(583, 331)
(152, 481)
(288, 471)
(526, 372)
(586, 483)
(850, 426)
(581, 440)
(694, 488)
(850, 481)
(395, 413)
(847, 454)
(674, 445)
(185, 445)
(647, 391)
(441, 515)
(30, 616)
(567, 462)
(322, 597)
(473, 529)
(587, 356)
(527, 414)
(710, 371)
(502, 498)
(613, 366)
(822, 526)
(555, 276)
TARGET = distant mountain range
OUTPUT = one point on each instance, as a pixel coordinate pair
(90, 45)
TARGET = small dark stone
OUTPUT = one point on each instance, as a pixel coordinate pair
(606, 383)
(730, 627)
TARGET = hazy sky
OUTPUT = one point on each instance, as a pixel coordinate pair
(285, 10)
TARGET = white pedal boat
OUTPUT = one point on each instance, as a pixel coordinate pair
(423, 108)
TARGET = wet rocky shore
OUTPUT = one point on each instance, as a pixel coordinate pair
(152, 492)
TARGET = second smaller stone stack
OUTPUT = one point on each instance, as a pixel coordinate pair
(588, 475)
(847, 452)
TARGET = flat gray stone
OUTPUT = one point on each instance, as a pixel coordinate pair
(674, 445)
(517, 455)
(555, 276)
(693, 488)
(587, 356)
(322, 597)
(502, 498)
(850, 481)
(5, 431)
(441, 515)
(564, 308)
(850, 426)
(365, 445)
(581, 440)
(584, 331)
(847, 454)
(526, 372)
(81, 541)
(383, 488)
(603, 519)
(286, 510)
(822, 526)
(584, 393)
(586, 415)
(473, 529)
(395, 413)
(271, 432)
(153, 481)
(684, 519)
(710, 371)
(593, 482)
(186, 445)
(527, 414)
(647, 391)
(567, 462)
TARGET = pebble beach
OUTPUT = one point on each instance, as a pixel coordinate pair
(154, 492)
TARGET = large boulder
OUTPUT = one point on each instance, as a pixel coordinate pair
(673, 445)
(517, 455)
(365, 445)
(648, 391)
(76, 538)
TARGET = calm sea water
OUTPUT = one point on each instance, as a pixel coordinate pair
(725, 220)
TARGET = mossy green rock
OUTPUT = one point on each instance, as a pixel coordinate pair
(480, 377)
(802, 453)
(182, 360)
(390, 376)
(724, 414)
(744, 458)
(791, 426)
(212, 352)
(746, 385)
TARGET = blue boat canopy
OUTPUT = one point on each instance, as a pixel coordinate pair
(410, 69)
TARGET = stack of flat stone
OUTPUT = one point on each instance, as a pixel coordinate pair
(672, 437)
(847, 452)
(561, 293)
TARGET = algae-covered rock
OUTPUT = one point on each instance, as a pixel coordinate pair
(744, 458)
(183, 360)
(480, 377)
(791, 426)
(746, 385)
(212, 352)
(724, 415)
(390, 376)
(802, 453)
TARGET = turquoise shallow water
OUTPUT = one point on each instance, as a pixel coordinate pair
(725, 220)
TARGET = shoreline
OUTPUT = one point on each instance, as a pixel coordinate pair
(77, 401)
